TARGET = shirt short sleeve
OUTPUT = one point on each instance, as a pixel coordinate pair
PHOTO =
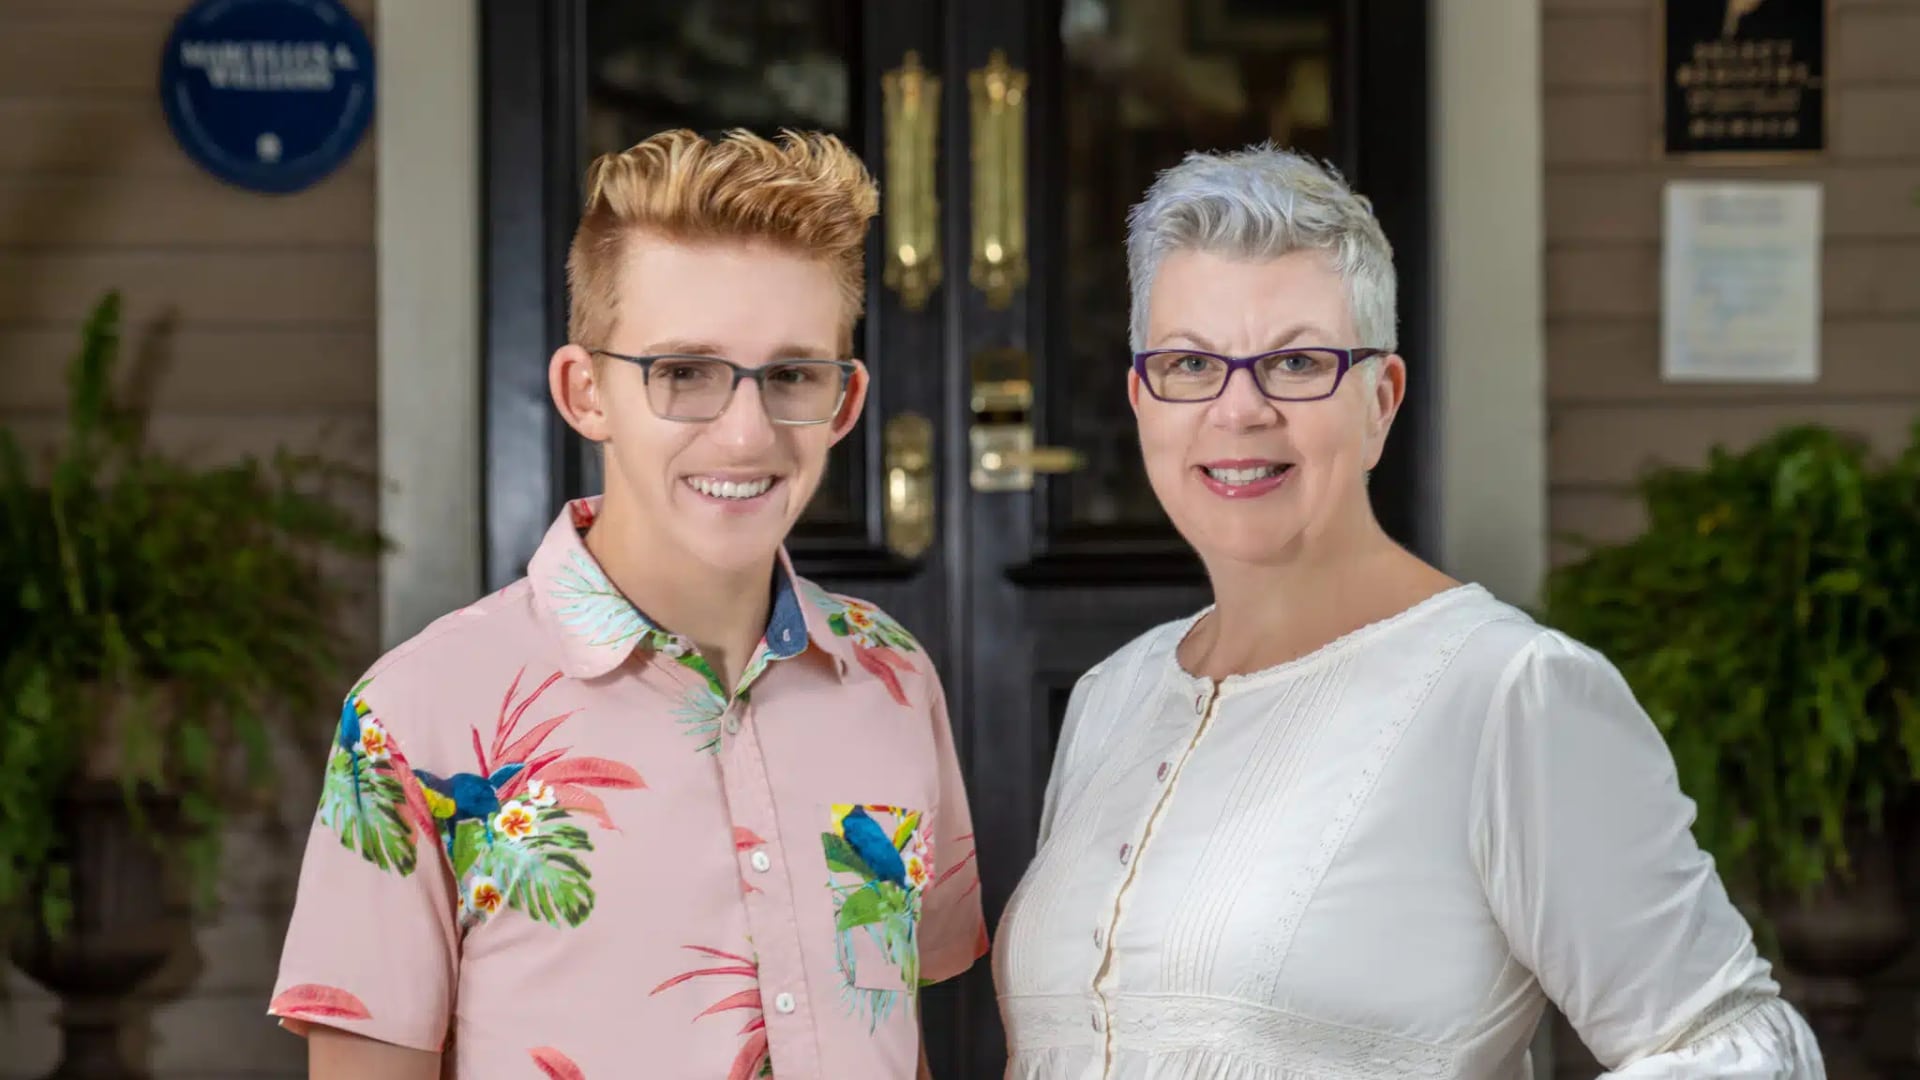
(373, 944)
(953, 930)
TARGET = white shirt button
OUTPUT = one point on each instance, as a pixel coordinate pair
(1200, 703)
(1099, 937)
(1099, 1022)
(733, 720)
(1126, 852)
(761, 862)
(783, 1003)
(1162, 771)
(786, 636)
(675, 647)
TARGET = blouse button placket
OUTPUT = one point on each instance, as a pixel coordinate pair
(1129, 855)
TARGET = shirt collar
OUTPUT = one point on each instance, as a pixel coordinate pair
(599, 627)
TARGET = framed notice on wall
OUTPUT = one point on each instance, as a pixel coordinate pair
(1744, 79)
(1740, 282)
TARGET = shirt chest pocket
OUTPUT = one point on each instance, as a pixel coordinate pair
(880, 862)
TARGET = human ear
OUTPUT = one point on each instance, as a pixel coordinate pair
(573, 378)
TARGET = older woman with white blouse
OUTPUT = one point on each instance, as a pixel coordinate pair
(1356, 819)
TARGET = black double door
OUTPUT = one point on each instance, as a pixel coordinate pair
(993, 499)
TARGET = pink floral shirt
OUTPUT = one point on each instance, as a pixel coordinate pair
(552, 844)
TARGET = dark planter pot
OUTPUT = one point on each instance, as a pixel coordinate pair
(125, 927)
(1837, 939)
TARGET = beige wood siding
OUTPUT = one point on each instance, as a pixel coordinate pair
(250, 324)
(1608, 411)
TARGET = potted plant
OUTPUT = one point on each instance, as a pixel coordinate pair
(1769, 621)
(157, 620)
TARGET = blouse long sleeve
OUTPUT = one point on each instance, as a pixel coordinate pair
(1582, 838)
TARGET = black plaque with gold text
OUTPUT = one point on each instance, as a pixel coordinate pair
(1745, 77)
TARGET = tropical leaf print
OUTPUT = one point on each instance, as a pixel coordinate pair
(587, 603)
(699, 715)
(368, 816)
(312, 1001)
(746, 840)
(879, 643)
(556, 1065)
(753, 1060)
(541, 873)
(755, 667)
(880, 863)
(582, 512)
(362, 798)
(960, 864)
(508, 829)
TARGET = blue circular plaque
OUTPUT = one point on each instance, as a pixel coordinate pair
(269, 95)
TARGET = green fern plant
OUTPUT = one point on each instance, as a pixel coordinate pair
(187, 604)
(1769, 620)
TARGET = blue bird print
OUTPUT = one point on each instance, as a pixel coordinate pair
(465, 797)
(351, 711)
(869, 841)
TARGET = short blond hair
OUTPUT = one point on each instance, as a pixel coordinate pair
(806, 193)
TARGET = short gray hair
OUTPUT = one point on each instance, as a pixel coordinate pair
(1261, 203)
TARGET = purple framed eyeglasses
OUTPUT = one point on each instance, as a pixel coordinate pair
(1183, 375)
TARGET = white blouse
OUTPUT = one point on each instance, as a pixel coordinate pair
(1379, 860)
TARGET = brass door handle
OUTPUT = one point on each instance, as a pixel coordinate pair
(1005, 459)
(908, 442)
(998, 111)
(910, 100)
(1036, 459)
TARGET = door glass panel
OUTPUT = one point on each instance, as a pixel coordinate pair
(717, 65)
(1145, 81)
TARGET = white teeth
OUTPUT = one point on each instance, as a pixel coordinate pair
(730, 489)
(1237, 477)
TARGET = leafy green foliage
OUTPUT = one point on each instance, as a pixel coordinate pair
(1769, 621)
(187, 604)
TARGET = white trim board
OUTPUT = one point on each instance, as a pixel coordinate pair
(428, 229)
(1489, 269)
